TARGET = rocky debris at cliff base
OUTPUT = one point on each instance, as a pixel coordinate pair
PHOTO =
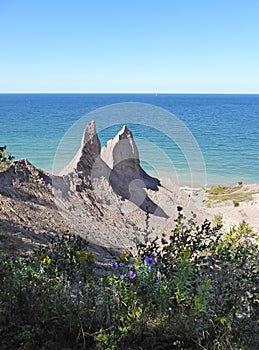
(119, 164)
(103, 201)
(84, 200)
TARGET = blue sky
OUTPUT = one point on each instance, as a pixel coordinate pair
(129, 46)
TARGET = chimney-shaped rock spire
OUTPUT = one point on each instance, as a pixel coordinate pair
(87, 153)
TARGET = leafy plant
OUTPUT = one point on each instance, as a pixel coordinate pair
(195, 288)
(5, 157)
(218, 220)
(48, 298)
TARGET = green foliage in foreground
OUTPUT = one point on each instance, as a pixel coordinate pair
(198, 289)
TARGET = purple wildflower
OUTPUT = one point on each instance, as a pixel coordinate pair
(12, 258)
(114, 265)
(42, 271)
(149, 260)
(122, 265)
(122, 277)
(131, 274)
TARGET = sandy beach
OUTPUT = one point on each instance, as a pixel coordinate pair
(242, 204)
(109, 205)
(230, 205)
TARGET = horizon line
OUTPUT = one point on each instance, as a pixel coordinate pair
(132, 92)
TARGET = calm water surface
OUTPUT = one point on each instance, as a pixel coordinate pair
(226, 128)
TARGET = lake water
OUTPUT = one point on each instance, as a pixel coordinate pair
(201, 139)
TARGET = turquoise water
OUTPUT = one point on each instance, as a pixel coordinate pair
(226, 128)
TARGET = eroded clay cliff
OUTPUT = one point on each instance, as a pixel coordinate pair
(102, 195)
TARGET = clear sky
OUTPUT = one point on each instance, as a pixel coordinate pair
(129, 46)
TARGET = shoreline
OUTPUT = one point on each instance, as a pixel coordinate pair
(51, 118)
(233, 203)
(195, 186)
(30, 208)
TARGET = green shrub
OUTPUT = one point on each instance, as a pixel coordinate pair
(218, 220)
(5, 157)
(48, 299)
(236, 203)
(196, 289)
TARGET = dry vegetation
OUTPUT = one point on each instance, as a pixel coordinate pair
(230, 193)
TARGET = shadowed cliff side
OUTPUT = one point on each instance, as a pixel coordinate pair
(119, 164)
(89, 198)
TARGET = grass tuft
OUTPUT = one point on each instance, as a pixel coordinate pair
(230, 193)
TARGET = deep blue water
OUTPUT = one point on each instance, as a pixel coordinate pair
(226, 128)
